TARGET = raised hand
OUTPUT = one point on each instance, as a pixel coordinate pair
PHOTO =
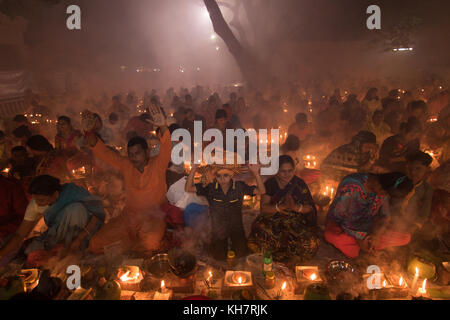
(254, 168)
(158, 118)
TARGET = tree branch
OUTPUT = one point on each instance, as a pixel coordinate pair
(221, 27)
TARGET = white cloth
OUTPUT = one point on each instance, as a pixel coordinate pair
(34, 212)
(180, 198)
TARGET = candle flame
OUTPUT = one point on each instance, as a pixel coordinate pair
(384, 284)
(283, 287)
(400, 282)
(125, 277)
(240, 280)
(163, 284)
(424, 284)
(313, 277)
(417, 271)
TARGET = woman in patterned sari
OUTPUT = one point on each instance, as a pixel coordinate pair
(287, 225)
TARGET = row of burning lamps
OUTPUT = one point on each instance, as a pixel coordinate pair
(305, 275)
(37, 117)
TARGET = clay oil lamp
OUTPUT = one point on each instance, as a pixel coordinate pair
(130, 278)
(306, 275)
(237, 281)
(163, 293)
(399, 287)
(249, 202)
(282, 291)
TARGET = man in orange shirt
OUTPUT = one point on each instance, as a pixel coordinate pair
(141, 225)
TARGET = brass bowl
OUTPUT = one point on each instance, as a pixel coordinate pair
(158, 265)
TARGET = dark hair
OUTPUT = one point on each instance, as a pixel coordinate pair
(145, 116)
(292, 143)
(390, 101)
(2, 134)
(18, 149)
(22, 132)
(44, 185)
(39, 143)
(395, 180)
(221, 113)
(100, 121)
(138, 141)
(365, 137)
(371, 91)
(286, 159)
(377, 112)
(20, 118)
(173, 127)
(113, 117)
(65, 119)
(417, 104)
(411, 125)
(301, 117)
(421, 157)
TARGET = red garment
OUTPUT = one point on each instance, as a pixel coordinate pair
(175, 216)
(350, 248)
(38, 258)
(440, 213)
(309, 175)
(13, 203)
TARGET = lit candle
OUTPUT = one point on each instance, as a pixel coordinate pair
(402, 283)
(164, 293)
(416, 277)
(282, 290)
(423, 290)
(313, 277)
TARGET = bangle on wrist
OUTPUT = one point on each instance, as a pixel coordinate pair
(300, 207)
(276, 207)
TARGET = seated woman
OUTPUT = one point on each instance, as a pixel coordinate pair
(71, 214)
(67, 137)
(395, 149)
(225, 197)
(358, 218)
(287, 225)
(49, 161)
